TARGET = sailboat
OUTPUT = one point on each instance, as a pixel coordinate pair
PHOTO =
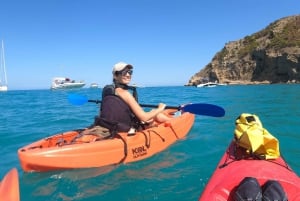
(3, 78)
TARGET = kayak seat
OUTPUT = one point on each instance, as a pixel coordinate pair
(104, 123)
(92, 134)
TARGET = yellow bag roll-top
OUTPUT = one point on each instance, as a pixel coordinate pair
(250, 134)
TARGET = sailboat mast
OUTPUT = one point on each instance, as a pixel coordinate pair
(3, 64)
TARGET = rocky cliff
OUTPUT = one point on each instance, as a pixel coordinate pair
(271, 55)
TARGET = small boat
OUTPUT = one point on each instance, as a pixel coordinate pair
(210, 84)
(66, 83)
(73, 149)
(3, 77)
(235, 166)
(9, 186)
(94, 85)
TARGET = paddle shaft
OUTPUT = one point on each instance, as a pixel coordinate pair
(143, 105)
(95, 101)
(194, 108)
(155, 106)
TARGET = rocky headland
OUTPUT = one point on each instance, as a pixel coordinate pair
(269, 56)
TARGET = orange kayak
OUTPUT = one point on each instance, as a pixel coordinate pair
(71, 149)
(235, 166)
(9, 186)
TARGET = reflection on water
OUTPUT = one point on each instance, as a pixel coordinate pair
(65, 184)
(83, 183)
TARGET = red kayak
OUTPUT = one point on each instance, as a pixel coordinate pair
(9, 186)
(235, 165)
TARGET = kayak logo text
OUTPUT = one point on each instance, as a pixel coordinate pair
(139, 151)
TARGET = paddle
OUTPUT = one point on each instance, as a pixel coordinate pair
(195, 108)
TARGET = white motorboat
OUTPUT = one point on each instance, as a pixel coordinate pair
(210, 84)
(66, 83)
(94, 85)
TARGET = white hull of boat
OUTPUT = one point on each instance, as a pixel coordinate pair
(3, 88)
(210, 84)
(68, 86)
(65, 83)
(94, 85)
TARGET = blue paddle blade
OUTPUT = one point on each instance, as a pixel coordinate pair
(204, 109)
(77, 99)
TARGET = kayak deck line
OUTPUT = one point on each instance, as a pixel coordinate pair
(236, 153)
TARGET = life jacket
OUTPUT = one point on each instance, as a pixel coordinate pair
(115, 109)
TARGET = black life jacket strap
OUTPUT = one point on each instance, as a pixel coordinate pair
(127, 87)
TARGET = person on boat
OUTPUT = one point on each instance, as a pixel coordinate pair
(120, 103)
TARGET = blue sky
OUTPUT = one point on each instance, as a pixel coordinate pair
(167, 41)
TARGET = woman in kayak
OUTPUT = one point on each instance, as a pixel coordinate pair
(121, 106)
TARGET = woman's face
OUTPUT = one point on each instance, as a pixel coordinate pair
(124, 76)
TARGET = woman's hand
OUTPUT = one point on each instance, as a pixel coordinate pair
(161, 107)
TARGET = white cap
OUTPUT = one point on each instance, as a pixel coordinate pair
(120, 66)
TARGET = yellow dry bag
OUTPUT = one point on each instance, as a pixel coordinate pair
(250, 134)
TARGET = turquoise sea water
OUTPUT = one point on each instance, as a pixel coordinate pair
(178, 173)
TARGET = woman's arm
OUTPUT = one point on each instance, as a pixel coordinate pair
(136, 108)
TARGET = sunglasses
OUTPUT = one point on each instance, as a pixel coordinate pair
(124, 72)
